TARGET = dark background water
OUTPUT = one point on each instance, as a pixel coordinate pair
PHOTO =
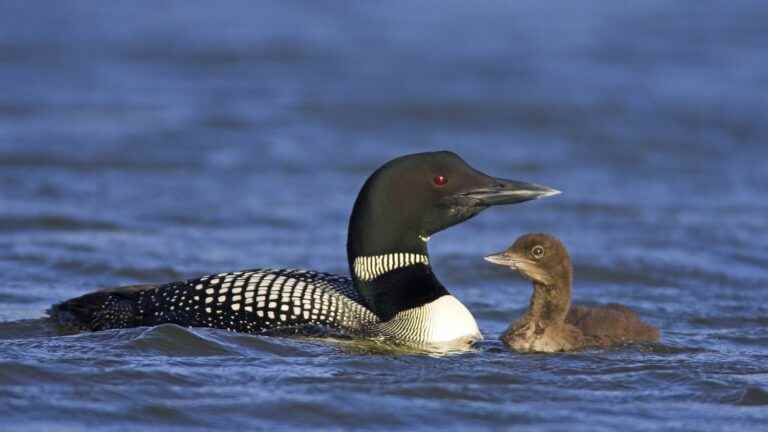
(152, 141)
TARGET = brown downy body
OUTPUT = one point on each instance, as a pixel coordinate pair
(550, 324)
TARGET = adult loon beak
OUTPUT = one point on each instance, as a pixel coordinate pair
(501, 191)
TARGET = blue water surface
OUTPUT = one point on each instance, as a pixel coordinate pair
(153, 141)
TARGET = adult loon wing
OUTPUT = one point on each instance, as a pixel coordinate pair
(252, 301)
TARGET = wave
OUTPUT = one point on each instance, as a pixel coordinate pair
(753, 396)
(54, 223)
(173, 340)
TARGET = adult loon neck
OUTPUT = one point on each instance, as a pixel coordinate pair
(395, 282)
(389, 261)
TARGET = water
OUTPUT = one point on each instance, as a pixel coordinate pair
(152, 141)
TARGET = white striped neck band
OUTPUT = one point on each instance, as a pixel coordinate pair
(368, 268)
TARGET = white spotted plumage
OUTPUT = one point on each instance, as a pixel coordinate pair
(274, 300)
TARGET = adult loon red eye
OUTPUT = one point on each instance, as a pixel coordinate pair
(440, 180)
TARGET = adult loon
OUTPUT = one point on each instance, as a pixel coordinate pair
(392, 292)
(551, 324)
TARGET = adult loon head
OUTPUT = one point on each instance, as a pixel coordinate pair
(400, 206)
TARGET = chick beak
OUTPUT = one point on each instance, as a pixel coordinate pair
(503, 258)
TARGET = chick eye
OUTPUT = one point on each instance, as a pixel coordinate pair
(537, 252)
(440, 180)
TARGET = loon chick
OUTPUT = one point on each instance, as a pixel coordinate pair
(392, 292)
(550, 324)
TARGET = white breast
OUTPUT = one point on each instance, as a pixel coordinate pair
(448, 319)
(441, 321)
